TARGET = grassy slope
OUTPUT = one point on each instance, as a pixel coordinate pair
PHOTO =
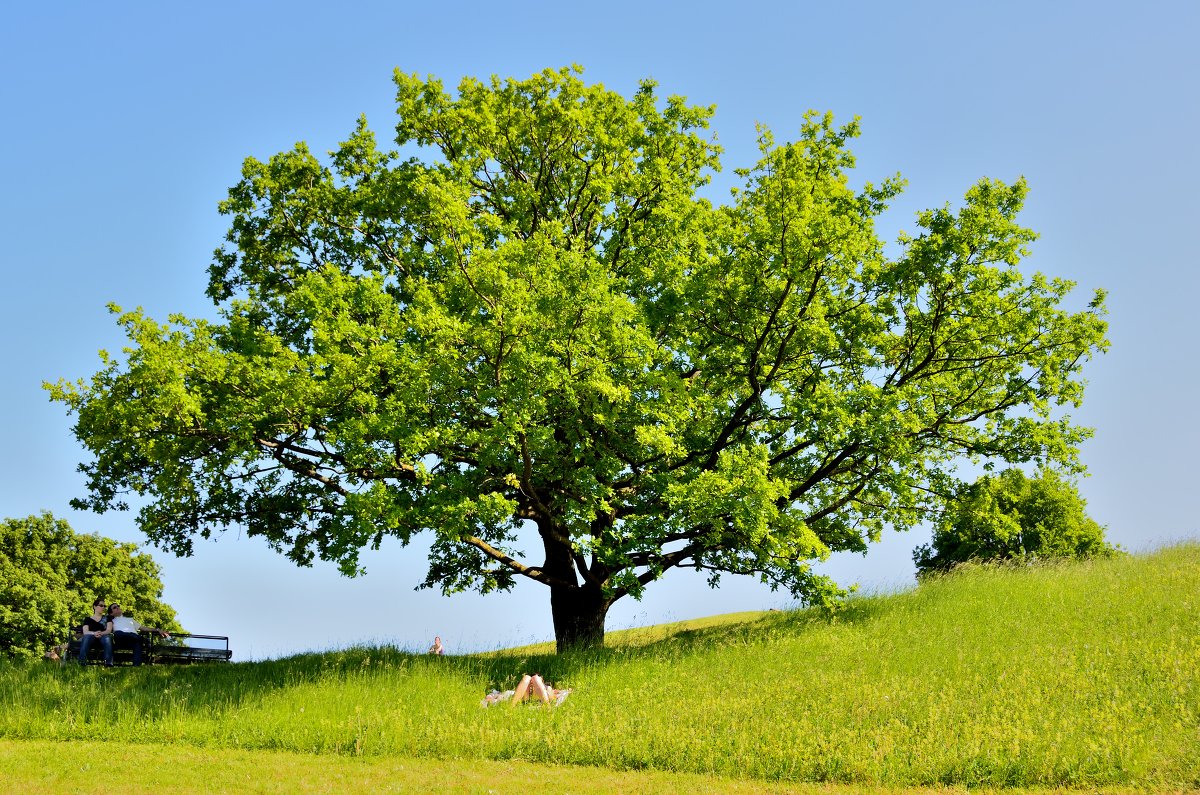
(1082, 675)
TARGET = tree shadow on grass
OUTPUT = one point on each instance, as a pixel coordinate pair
(218, 689)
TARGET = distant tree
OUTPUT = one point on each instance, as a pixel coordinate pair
(50, 575)
(1013, 516)
(528, 316)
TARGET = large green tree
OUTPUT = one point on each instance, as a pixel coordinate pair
(50, 575)
(527, 315)
(1012, 516)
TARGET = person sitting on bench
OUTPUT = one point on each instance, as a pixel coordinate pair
(97, 628)
(126, 629)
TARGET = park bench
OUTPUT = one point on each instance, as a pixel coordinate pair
(180, 647)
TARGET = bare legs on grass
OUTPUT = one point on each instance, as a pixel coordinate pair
(533, 685)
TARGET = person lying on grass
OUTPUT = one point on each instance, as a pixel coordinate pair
(531, 685)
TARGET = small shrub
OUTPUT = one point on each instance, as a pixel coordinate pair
(1011, 516)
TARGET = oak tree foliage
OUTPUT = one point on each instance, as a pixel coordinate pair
(526, 314)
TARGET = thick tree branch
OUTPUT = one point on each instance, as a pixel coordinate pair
(532, 573)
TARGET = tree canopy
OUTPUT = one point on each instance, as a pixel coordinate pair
(50, 575)
(527, 315)
(1011, 516)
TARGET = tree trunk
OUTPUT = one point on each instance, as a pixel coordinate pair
(578, 617)
(578, 608)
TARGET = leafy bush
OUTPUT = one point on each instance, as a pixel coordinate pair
(49, 575)
(1012, 516)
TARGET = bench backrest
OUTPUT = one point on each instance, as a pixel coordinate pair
(180, 647)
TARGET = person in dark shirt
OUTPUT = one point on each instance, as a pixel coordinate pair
(97, 628)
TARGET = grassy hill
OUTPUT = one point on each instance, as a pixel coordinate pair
(1067, 675)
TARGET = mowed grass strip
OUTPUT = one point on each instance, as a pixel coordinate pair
(1084, 675)
(92, 768)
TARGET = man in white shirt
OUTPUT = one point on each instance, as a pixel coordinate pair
(126, 629)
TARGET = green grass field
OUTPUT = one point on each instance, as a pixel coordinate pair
(1067, 676)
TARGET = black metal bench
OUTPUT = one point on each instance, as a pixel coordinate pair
(183, 647)
(180, 647)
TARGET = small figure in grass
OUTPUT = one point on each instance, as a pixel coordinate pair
(55, 653)
(530, 685)
(126, 629)
(437, 647)
(97, 628)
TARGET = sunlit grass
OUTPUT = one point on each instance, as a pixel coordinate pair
(84, 768)
(1079, 675)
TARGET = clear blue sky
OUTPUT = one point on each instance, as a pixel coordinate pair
(124, 125)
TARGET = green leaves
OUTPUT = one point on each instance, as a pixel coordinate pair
(50, 575)
(536, 322)
(1011, 516)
